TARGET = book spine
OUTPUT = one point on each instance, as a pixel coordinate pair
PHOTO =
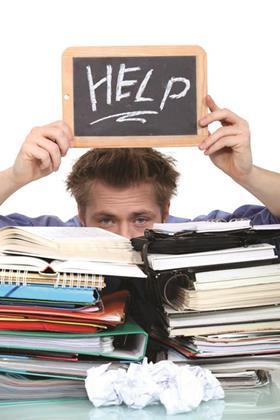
(65, 280)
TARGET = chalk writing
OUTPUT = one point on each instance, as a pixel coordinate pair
(120, 95)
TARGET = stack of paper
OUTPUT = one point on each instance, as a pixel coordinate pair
(16, 387)
(53, 342)
(219, 303)
(52, 308)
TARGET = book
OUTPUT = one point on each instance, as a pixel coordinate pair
(232, 283)
(205, 346)
(238, 297)
(79, 243)
(229, 284)
(27, 264)
(125, 342)
(263, 272)
(242, 327)
(222, 256)
(178, 319)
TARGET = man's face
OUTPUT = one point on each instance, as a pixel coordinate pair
(126, 211)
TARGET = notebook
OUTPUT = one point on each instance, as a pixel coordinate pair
(222, 256)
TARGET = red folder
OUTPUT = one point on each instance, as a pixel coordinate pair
(113, 312)
(46, 326)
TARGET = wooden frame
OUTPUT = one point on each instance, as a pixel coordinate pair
(135, 51)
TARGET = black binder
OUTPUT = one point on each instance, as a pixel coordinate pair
(182, 242)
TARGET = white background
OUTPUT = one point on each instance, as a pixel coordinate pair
(241, 39)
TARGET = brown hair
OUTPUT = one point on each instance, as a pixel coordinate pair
(122, 168)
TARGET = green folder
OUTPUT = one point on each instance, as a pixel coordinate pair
(125, 342)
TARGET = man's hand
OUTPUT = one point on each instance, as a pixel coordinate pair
(41, 152)
(229, 146)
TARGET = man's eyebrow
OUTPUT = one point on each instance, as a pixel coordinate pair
(143, 213)
(133, 214)
(103, 214)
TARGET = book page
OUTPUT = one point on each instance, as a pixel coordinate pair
(60, 232)
(22, 262)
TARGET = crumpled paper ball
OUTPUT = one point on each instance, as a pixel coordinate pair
(179, 389)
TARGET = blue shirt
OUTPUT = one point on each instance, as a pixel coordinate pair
(258, 215)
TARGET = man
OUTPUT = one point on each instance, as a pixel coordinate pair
(127, 190)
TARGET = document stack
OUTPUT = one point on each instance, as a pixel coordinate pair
(55, 320)
(217, 288)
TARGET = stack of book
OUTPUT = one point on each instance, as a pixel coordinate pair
(55, 319)
(217, 304)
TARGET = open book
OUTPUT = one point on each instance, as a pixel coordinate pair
(21, 269)
(79, 243)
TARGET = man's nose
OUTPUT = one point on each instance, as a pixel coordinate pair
(125, 230)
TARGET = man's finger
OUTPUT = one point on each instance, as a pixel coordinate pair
(226, 142)
(219, 115)
(219, 134)
(211, 103)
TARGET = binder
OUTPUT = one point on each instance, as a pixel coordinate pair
(125, 342)
(176, 288)
(190, 241)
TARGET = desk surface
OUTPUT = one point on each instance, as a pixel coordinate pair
(261, 403)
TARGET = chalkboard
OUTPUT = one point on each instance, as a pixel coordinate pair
(134, 96)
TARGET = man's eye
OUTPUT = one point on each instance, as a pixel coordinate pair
(141, 220)
(105, 221)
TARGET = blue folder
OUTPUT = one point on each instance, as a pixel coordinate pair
(49, 293)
